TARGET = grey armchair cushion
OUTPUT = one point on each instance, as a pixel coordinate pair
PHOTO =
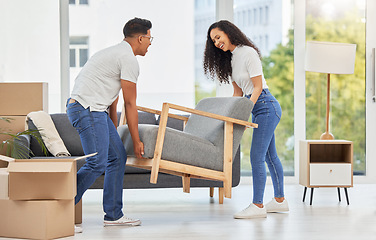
(212, 129)
(178, 146)
(174, 123)
(201, 143)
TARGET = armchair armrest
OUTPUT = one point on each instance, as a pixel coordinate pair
(144, 109)
(212, 115)
(123, 119)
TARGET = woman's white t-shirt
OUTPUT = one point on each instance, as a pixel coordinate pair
(246, 64)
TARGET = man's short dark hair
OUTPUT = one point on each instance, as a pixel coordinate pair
(136, 26)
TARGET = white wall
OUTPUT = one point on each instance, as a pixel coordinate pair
(29, 44)
(167, 70)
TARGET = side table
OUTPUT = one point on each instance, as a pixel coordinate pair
(326, 163)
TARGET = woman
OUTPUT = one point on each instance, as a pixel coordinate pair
(229, 53)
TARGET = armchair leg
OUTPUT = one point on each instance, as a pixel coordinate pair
(221, 195)
(186, 183)
(211, 192)
(227, 189)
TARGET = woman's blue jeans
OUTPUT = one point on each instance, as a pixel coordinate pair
(98, 134)
(266, 113)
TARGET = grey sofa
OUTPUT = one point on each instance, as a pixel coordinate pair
(134, 178)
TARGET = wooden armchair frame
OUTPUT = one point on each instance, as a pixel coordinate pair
(156, 164)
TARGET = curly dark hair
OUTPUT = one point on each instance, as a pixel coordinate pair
(217, 63)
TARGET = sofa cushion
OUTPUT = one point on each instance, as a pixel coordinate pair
(68, 134)
(178, 146)
(144, 118)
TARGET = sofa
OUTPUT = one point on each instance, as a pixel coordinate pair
(135, 178)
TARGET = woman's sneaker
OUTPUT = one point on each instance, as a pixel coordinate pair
(274, 206)
(252, 211)
(123, 221)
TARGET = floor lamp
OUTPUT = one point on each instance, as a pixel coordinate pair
(330, 58)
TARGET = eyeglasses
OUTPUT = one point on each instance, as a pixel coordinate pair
(150, 37)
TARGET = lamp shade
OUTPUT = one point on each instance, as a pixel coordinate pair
(330, 57)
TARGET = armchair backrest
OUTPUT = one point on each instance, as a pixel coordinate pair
(212, 129)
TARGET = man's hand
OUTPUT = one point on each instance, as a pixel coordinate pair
(138, 149)
(130, 95)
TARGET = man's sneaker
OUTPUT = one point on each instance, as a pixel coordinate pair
(274, 206)
(77, 229)
(123, 221)
(252, 211)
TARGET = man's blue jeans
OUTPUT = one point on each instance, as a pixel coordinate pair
(98, 134)
(266, 113)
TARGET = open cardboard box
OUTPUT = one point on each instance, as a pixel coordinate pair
(41, 179)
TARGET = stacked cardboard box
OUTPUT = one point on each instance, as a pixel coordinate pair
(17, 100)
(39, 202)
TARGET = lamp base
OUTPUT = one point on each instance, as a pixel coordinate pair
(326, 136)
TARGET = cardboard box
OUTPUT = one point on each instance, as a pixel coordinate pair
(45, 219)
(22, 98)
(4, 183)
(33, 179)
(78, 213)
(4, 177)
(16, 125)
(42, 180)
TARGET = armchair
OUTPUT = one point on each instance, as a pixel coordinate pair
(204, 149)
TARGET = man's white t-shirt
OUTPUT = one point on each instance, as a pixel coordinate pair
(99, 82)
(246, 64)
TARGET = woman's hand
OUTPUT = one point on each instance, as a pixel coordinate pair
(257, 88)
(237, 90)
(138, 149)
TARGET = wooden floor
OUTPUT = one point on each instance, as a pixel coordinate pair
(172, 214)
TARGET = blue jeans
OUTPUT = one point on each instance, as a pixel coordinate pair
(266, 113)
(98, 134)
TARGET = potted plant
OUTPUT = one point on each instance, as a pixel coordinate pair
(14, 145)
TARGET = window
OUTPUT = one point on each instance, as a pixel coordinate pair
(79, 2)
(266, 47)
(278, 61)
(266, 15)
(249, 18)
(244, 18)
(255, 16)
(334, 21)
(204, 87)
(78, 51)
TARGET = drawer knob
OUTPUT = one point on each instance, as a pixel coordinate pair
(331, 171)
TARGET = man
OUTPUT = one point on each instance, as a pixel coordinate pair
(92, 111)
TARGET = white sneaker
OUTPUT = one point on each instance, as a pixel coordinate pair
(252, 211)
(274, 206)
(123, 221)
(77, 229)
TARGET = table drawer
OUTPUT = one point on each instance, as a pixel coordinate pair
(337, 174)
